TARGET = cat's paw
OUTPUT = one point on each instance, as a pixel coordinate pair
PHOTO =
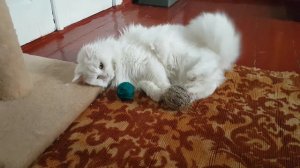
(191, 75)
(194, 75)
(150, 89)
(97, 82)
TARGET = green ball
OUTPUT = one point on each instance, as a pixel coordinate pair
(125, 91)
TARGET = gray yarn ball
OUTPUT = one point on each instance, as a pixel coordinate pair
(175, 98)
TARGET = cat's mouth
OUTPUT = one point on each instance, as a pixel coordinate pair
(106, 78)
(102, 77)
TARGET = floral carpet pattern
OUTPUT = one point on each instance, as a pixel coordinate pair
(252, 120)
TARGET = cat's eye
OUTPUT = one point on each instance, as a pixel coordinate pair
(101, 66)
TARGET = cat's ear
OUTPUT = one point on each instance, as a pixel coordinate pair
(85, 54)
(89, 51)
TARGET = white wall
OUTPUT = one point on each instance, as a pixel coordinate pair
(32, 18)
(35, 18)
(67, 12)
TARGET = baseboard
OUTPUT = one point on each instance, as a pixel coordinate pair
(163, 3)
(127, 2)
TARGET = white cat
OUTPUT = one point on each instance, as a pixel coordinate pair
(194, 56)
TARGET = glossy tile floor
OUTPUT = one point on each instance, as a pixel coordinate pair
(271, 40)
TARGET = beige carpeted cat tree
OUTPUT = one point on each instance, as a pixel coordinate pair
(15, 81)
(37, 100)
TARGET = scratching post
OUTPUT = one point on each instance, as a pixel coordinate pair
(15, 81)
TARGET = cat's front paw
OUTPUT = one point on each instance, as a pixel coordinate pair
(97, 82)
(150, 89)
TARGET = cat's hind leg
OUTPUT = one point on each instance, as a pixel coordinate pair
(156, 82)
(158, 74)
(205, 64)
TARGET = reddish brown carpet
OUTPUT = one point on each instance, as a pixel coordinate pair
(252, 120)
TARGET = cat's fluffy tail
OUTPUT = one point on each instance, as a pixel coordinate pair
(216, 31)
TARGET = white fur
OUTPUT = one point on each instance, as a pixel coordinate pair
(154, 58)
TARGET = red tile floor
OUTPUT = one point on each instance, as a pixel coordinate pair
(271, 40)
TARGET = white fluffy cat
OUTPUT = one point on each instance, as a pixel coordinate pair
(194, 56)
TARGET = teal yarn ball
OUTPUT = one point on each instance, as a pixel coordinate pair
(125, 91)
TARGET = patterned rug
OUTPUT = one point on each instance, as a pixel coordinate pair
(252, 120)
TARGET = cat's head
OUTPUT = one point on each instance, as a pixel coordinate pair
(96, 59)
